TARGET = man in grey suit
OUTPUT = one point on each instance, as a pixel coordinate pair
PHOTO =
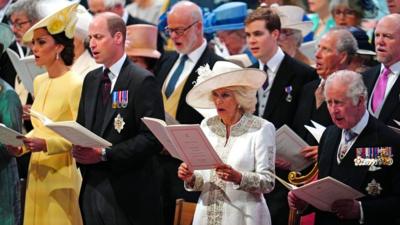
(120, 183)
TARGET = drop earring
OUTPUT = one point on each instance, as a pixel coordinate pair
(58, 56)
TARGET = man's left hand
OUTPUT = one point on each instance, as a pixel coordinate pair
(346, 209)
(86, 155)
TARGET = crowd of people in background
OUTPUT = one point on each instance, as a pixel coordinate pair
(241, 70)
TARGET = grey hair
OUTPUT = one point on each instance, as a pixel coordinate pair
(196, 13)
(26, 6)
(113, 3)
(352, 80)
(345, 41)
(351, 4)
(245, 97)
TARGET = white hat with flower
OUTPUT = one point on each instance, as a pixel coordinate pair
(223, 74)
(63, 19)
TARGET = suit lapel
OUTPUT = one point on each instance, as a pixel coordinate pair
(391, 102)
(121, 84)
(329, 151)
(283, 76)
(166, 67)
(91, 97)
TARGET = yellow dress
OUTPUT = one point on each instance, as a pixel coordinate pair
(53, 179)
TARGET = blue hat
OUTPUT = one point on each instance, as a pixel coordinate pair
(228, 16)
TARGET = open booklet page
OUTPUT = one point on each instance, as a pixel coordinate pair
(73, 132)
(186, 142)
(9, 136)
(322, 193)
(26, 68)
(288, 146)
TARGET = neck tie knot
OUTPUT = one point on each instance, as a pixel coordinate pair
(349, 135)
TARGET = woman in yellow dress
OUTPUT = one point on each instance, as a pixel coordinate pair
(53, 179)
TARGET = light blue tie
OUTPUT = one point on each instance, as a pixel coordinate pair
(175, 76)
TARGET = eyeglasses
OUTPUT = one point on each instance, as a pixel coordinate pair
(344, 12)
(18, 25)
(179, 31)
(285, 33)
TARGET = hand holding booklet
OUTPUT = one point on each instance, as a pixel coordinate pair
(186, 142)
(322, 193)
(73, 132)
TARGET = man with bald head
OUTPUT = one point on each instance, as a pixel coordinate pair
(177, 74)
(120, 184)
(383, 80)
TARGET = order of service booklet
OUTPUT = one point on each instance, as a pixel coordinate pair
(288, 146)
(323, 192)
(73, 132)
(186, 142)
(9, 136)
(26, 68)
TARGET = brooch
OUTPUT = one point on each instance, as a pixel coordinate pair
(119, 123)
(374, 188)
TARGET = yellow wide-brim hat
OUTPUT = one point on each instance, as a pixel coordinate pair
(63, 19)
(223, 74)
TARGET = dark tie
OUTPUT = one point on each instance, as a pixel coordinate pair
(348, 136)
(266, 83)
(175, 76)
(106, 86)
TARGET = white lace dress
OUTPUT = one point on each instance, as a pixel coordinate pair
(250, 149)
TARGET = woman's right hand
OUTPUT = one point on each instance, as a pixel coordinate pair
(14, 150)
(185, 174)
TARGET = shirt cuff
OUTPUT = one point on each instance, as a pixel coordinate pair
(361, 220)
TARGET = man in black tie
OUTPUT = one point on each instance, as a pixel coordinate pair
(383, 80)
(176, 74)
(120, 183)
(359, 151)
(278, 100)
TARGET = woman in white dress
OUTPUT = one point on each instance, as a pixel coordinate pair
(232, 193)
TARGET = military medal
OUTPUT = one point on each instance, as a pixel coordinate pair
(373, 156)
(374, 188)
(120, 99)
(288, 91)
(119, 123)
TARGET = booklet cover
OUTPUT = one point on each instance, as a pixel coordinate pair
(9, 136)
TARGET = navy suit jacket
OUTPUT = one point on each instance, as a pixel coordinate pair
(131, 159)
(380, 209)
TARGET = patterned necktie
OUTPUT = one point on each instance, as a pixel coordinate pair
(175, 76)
(380, 89)
(106, 86)
(266, 83)
(348, 136)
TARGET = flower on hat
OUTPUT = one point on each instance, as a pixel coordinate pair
(204, 73)
(57, 24)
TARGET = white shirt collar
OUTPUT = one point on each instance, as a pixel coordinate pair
(275, 61)
(195, 55)
(115, 69)
(359, 127)
(395, 68)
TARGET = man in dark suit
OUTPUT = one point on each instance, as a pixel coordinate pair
(118, 7)
(383, 80)
(334, 52)
(120, 184)
(177, 74)
(346, 154)
(278, 98)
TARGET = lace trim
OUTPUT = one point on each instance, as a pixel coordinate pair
(246, 122)
(216, 200)
(252, 182)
